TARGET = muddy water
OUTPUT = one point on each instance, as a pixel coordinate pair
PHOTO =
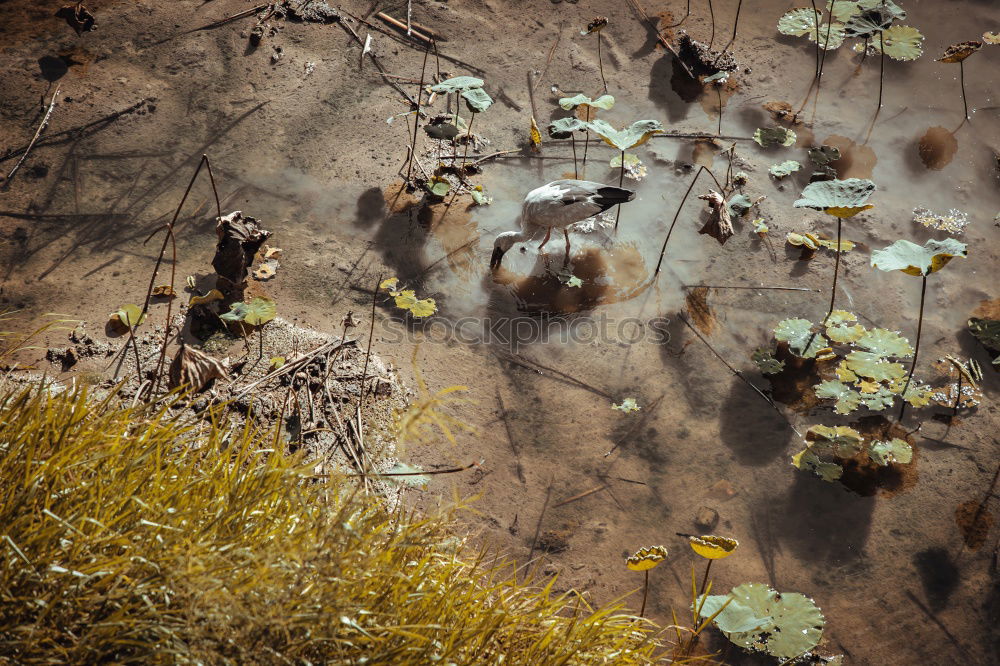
(316, 162)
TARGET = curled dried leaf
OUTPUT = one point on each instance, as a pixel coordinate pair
(720, 224)
(194, 369)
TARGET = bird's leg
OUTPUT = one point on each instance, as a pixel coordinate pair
(566, 234)
(548, 233)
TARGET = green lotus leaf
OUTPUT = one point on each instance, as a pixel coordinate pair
(874, 366)
(844, 246)
(631, 161)
(847, 398)
(480, 197)
(842, 441)
(836, 195)
(842, 10)
(634, 135)
(895, 450)
(823, 155)
(797, 22)
(886, 343)
(879, 400)
(438, 186)
(128, 316)
(603, 102)
(831, 35)
(457, 84)
(810, 462)
(784, 169)
(257, 312)
(798, 333)
(477, 99)
(735, 617)
(869, 23)
(795, 627)
(915, 259)
(774, 136)
(738, 205)
(840, 329)
(895, 10)
(901, 43)
(987, 331)
(764, 359)
(844, 373)
(562, 128)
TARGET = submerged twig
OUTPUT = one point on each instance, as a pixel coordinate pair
(510, 438)
(715, 286)
(38, 132)
(538, 526)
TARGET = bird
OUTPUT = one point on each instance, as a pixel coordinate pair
(558, 205)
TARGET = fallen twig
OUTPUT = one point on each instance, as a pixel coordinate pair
(294, 365)
(586, 493)
(450, 470)
(38, 132)
(413, 30)
(538, 526)
(712, 286)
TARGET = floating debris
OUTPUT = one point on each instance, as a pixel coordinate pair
(954, 221)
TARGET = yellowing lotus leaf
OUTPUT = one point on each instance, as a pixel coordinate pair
(918, 395)
(844, 212)
(901, 43)
(845, 245)
(895, 450)
(646, 558)
(845, 374)
(840, 329)
(407, 300)
(868, 386)
(213, 295)
(602, 102)
(961, 51)
(919, 260)
(634, 135)
(389, 284)
(843, 197)
(885, 343)
(810, 462)
(991, 37)
(627, 405)
(127, 317)
(774, 136)
(847, 398)
(797, 22)
(878, 400)
(842, 441)
(874, 366)
(805, 240)
(713, 547)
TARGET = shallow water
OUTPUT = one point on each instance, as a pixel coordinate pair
(317, 161)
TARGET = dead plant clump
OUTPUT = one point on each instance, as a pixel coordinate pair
(140, 534)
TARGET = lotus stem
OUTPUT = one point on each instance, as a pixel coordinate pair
(736, 25)
(816, 16)
(916, 347)
(645, 591)
(416, 119)
(881, 67)
(961, 78)
(958, 397)
(368, 351)
(600, 63)
(260, 354)
(704, 580)
(836, 271)
(711, 13)
(586, 146)
(621, 181)
(468, 140)
(572, 139)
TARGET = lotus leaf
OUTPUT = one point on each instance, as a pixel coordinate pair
(211, 296)
(915, 259)
(738, 205)
(824, 154)
(901, 43)
(918, 395)
(764, 359)
(457, 84)
(798, 333)
(895, 450)
(646, 558)
(845, 245)
(847, 399)
(869, 23)
(128, 316)
(631, 161)
(842, 441)
(627, 405)
(987, 331)
(840, 329)
(991, 37)
(257, 312)
(886, 343)
(563, 128)
(713, 547)
(717, 78)
(795, 627)
(574, 281)
(603, 102)
(774, 136)
(873, 366)
(732, 617)
(842, 10)
(831, 35)
(439, 186)
(880, 399)
(760, 227)
(480, 197)
(407, 300)
(890, 6)
(477, 99)
(798, 22)
(809, 461)
(844, 373)
(961, 51)
(634, 135)
(784, 169)
(804, 240)
(840, 198)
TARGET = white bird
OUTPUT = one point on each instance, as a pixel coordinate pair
(556, 206)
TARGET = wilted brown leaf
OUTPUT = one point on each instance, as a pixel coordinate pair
(213, 295)
(961, 51)
(78, 17)
(164, 290)
(719, 225)
(194, 369)
(701, 313)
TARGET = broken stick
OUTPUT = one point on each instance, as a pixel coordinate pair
(38, 132)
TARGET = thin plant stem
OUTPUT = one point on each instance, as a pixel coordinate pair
(368, 351)
(836, 271)
(586, 146)
(881, 66)
(663, 250)
(416, 119)
(718, 90)
(468, 140)
(916, 347)
(704, 580)
(135, 350)
(816, 16)
(958, 397)
(621, 181)
(645, 591)
(576, 174)
(961, 76)
(260, 354)
(600, 63)
(736, 25)
(711, 13)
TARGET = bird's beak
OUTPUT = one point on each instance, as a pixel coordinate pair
(496, 258)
